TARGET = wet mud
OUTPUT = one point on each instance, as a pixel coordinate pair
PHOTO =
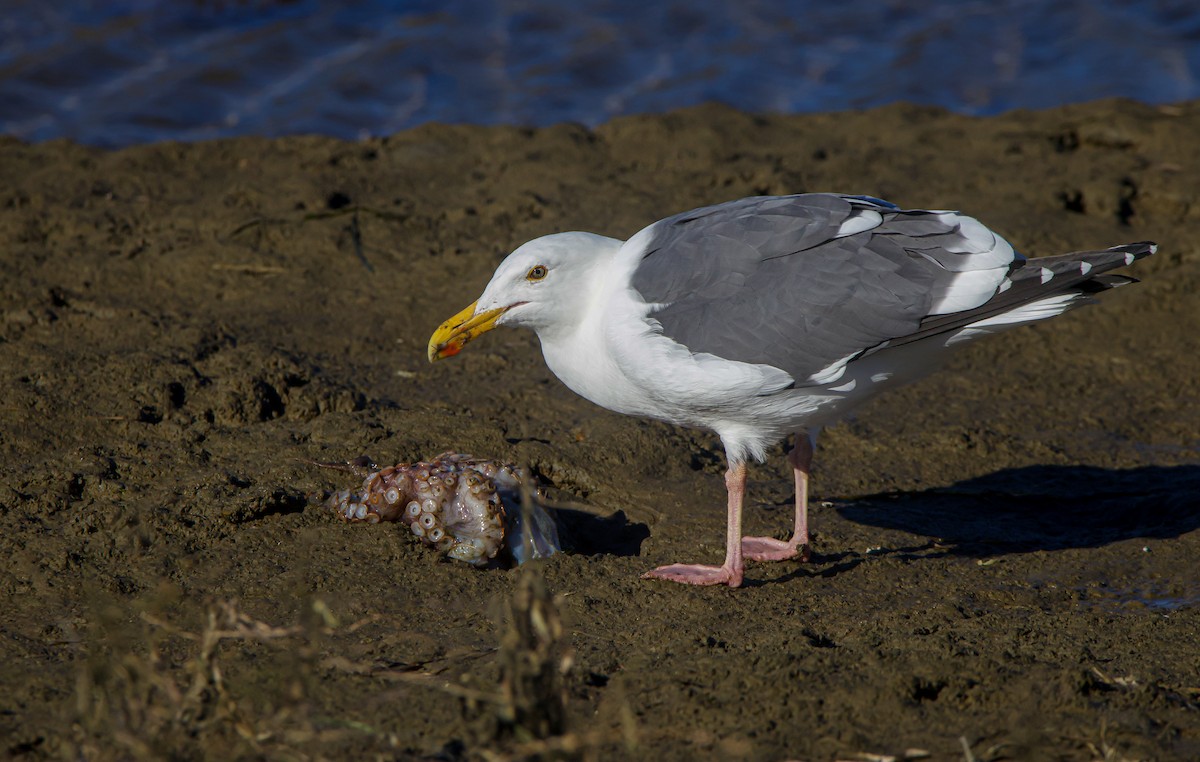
(1005, 554)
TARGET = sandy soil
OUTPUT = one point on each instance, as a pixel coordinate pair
(1005, 556)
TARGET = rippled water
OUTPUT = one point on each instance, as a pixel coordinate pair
(131, 71)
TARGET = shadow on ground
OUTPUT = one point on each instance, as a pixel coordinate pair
(1043, 508)
(591, 535)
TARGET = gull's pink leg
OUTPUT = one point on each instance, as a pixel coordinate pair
(729, 573)
(770, 549)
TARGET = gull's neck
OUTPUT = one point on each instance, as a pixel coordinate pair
(587, 293)
(578, 350)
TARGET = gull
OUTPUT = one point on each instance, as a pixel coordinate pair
(767, 317)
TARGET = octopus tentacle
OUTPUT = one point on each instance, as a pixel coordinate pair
(468, 509)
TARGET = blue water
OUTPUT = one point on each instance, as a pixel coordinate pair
(130, 71)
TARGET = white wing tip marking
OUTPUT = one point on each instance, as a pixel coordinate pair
(846, 387)
(1085, 268)
(864, 219)
(832, 372)
(1129, 258)
(1047, 274)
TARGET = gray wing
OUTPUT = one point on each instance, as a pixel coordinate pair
(806, 282)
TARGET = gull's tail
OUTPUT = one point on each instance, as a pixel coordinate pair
(1036, 289)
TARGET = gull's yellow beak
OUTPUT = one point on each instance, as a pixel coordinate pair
(450, 337)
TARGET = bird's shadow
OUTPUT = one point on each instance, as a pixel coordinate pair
(1018, 510)
(1022, 510)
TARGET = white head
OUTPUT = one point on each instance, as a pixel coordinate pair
(542, 285)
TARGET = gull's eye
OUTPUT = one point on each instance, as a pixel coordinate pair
(537, 272)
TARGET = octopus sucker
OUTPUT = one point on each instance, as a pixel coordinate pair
(468, 508)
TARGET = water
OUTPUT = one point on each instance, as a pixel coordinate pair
(131, 71)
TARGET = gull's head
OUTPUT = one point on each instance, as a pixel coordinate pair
(542, 285)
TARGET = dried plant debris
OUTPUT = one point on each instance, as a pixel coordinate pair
(159, 691)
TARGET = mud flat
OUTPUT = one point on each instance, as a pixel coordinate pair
(1005, 556)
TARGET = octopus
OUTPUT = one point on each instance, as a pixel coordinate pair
(467, 508)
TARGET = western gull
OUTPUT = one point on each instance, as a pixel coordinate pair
(770, 316)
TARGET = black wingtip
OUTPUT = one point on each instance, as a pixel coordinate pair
(1098, 283)
(1136, 251)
